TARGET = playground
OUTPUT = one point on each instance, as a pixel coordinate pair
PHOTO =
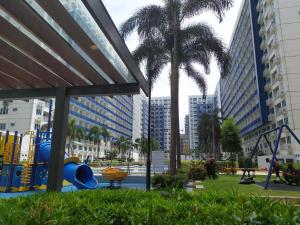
(22, 178)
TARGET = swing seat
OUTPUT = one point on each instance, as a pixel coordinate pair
(247, 180)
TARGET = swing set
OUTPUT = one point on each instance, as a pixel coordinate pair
(264, 135)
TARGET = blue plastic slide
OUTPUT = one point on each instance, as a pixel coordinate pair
(80, 175)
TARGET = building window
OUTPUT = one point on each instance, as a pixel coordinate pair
(37, 126)
(3, 111)
(38, 112)
(2, 126)
(15, 109)
(12, 124)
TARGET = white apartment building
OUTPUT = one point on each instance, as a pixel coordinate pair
(280, 32)
(197, 106)
(23, 115)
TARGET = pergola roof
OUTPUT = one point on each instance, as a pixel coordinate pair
(62, 43)
(62, 48)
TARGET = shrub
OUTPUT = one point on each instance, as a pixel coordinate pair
(126, 207)
(295, 165)
(197, 170)
(165, 180)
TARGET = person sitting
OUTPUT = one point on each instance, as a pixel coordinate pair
(277, 171)
(291, 175)
(211, 168)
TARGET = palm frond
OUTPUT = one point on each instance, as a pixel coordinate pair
(200, 43)
(149, 48)
(150, 21)
(195, 7)
(197, 77)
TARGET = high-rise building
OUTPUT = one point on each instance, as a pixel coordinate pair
(187, 124)
(242, 91)
(260, 91)
(113, 113)
(197, 106)
(279, 29)
(161, 121)
(23, 115)
(140, 116)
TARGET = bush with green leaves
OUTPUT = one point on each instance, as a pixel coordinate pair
(295, 165)
(197, 170)
(167, 181)
(129, 207)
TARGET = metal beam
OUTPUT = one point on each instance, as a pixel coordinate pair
(26, 93)
(112, 89)
(103, 19)
(93, 90)
(59, 134)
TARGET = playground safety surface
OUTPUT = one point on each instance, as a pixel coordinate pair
(279, 187)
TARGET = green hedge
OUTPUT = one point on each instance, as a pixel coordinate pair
(122, 207)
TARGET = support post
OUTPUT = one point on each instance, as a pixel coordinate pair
(56, 162)
(273, 159)
(149, 150)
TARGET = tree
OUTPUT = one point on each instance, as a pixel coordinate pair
(74, 132)
(144, 145)
(71, 134)
(105, 134)
(94, 135)
(230, 138)
(209, 132)
(165, 38)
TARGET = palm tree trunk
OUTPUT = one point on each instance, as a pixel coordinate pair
(175, 141)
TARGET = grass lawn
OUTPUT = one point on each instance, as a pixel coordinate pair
(231, 183)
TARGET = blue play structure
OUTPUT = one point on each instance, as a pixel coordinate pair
(278, 131)
(33, 174)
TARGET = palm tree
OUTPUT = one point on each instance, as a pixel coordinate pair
(105, 134)
(94, 135)
(137, 144)
(71, 134)
(165, 39)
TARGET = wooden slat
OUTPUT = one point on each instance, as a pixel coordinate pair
(3, 86)
(10, 53)
(20, 74)
(24, 43)
(11, 82)
(61, 16)
(29, 18)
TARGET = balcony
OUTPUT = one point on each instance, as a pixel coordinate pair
(272, 117)
(263, 45)
(261, 31)
(283, 111)
(258, 6)
(270, 102)
(275, 45)
(273, 29)
(277, 60)
(266, 72)
(268, 87)
(264, 58)
(278, 77)
(260, 18)
(279, 95)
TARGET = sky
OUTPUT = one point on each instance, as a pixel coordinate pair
(120, 10)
